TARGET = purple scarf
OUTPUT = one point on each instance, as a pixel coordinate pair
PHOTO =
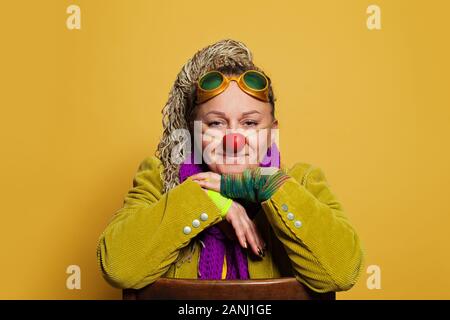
(216, 243)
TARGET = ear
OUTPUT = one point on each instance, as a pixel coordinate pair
(274, 132)
(275, 124)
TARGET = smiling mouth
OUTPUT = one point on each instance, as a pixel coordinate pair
(231, 155)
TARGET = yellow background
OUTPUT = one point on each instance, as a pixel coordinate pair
(81, 108)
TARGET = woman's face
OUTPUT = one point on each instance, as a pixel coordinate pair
(234, 111)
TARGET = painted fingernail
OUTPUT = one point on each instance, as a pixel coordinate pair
(261, 254)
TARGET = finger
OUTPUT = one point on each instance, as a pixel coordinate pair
(256, 232)
(259, 239)
(205, 184)
(209, 184)
(240, 234)
(249, 235)
(252, 233)
(201, 176)
(251, 238)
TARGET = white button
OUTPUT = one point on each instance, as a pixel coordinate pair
(187, 230)
(196, 223)
(290, 216)
(204, 216)
(297, 224)
(284, 207)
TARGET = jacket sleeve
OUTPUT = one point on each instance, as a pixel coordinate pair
(145, 236)
(324, 249)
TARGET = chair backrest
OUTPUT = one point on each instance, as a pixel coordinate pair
(192, 289)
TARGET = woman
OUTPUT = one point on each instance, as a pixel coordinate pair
(238, 213)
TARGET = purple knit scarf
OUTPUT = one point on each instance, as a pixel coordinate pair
(216, 243)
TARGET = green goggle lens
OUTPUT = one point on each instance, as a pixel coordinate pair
(255, 80)
(211, 81)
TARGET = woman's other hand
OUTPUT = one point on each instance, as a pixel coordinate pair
(245, 229)
(208, 180)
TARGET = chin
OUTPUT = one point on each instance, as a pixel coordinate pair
(231, 168)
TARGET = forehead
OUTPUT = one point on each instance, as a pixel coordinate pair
(233, 102)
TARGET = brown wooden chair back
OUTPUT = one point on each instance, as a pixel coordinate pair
(193, 289)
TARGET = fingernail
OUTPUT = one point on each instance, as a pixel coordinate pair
(245, 245)
(261, 254)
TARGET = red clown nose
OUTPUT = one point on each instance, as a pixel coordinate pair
(233, 142)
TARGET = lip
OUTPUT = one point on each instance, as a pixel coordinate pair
(231, 156)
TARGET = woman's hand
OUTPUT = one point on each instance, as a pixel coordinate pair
(208, 180)
(245, 229)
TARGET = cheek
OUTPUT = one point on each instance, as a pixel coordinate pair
(212, 139)
(252, 141)
(258, 144)
(205, 143)
(259, 141)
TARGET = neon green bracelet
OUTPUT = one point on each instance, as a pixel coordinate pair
(220, 201)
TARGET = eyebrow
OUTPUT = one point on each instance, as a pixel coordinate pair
(223, 114)
(216, 112)
(250, 112)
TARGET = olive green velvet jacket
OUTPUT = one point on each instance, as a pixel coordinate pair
(303, 225)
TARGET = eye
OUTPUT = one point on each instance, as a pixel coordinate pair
(214, 123)
(250, 123)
